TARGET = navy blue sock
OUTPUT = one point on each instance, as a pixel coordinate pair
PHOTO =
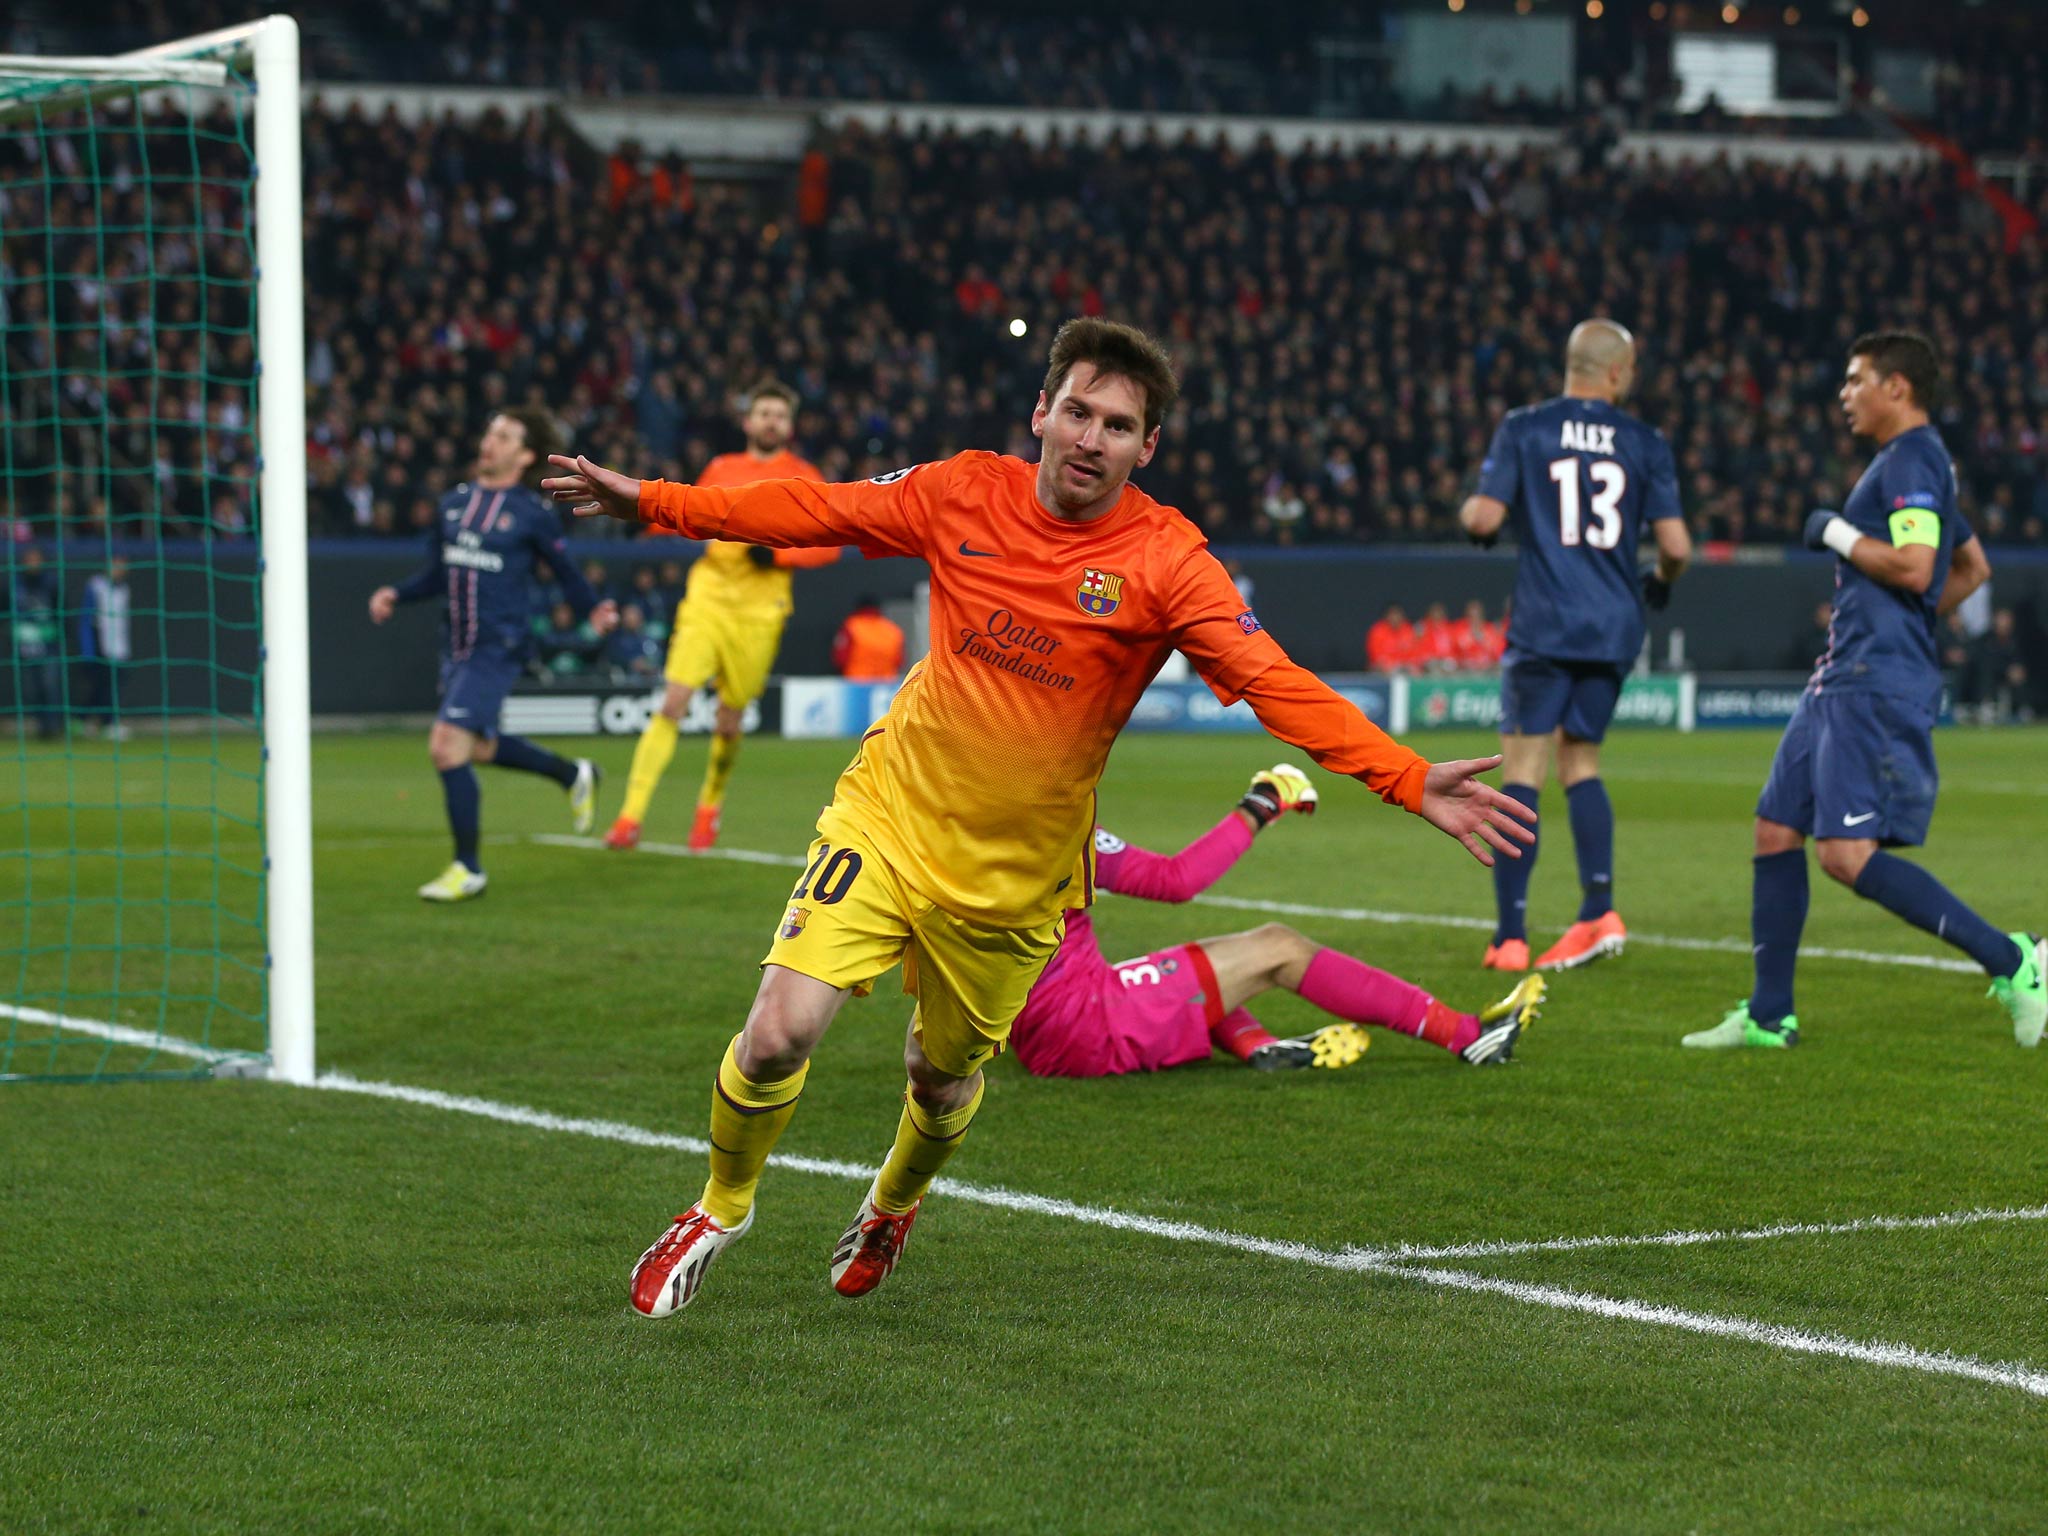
(465, 812)
(1925, 902)
(517, 752)
(1777, 916)
(1511, 876)
(1592, 816)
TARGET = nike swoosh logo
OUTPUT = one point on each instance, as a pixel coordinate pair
(1857, 821)
(980, 554)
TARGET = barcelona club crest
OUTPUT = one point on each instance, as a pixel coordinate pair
(1100, 592)
(793, 924)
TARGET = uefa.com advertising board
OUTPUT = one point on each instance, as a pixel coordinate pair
(826, 708)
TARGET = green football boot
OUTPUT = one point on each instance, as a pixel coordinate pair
(1738, 1029)
(2025, 992)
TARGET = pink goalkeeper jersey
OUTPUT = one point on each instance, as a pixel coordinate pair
(1079, 987)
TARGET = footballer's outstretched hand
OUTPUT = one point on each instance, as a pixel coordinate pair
(1276, 791)
(591, 489)
(1477, 815)
(604, 617)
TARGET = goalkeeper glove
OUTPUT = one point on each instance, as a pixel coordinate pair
(763, 557)
(1276, 791)
(1656, 590)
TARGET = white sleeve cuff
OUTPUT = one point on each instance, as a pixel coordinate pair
(1840, 535)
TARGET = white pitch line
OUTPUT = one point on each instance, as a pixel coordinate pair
(676, 850)
(1354, 1261)
(1656, 940)
(1396, 1254)
(1344, 914)
(1350, 1260)
(1407, 1253)
(1775, 1335)
(121, 1034)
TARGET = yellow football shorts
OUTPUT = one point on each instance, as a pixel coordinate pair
(851, 917)
(737, 650)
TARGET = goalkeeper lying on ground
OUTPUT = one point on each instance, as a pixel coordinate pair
(1088, 1018)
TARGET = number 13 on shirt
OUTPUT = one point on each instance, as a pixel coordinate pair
(1610, 484)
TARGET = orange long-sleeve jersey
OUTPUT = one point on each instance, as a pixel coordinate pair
(725, 576)
(979, 784)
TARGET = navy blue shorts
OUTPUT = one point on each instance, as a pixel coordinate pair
(1854, 765)
(1537, 695)
(473, 689)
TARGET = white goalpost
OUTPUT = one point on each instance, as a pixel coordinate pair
(261, 930)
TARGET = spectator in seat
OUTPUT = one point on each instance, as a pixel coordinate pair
(1390, 644)
(651, 600)
(869, 645)
(635, 654)
(1436, 641)
(567, 648)
(1473, 639)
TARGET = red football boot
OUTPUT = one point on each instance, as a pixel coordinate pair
(869, 1248)
(704, 830)
(668, 1275)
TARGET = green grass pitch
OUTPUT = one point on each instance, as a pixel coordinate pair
(234, 1306)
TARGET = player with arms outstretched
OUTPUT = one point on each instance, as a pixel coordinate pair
(1089, 1018)
(1581, 479)
(488, 536)
(728, 628)
(1855, 769)
(963, 830)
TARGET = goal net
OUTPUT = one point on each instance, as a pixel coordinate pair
(155, 863)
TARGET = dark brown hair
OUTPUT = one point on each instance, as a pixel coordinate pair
(772, 388)
(1908, 354)
(1122, 351)
(544, 435)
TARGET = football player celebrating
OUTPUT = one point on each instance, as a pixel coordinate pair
(963, 831)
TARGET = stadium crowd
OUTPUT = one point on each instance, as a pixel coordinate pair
(1350, 327)
(1436, 642)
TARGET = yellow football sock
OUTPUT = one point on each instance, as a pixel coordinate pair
(725, 751)
(747, 1119)
(924, 1140)
(651, 757)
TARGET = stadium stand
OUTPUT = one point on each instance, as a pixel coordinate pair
(1330, 60)
(1351, 326)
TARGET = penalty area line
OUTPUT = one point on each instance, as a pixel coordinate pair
(1339, 914)
(1411, 1253)
(1355, 1261)
(1362, 1261)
